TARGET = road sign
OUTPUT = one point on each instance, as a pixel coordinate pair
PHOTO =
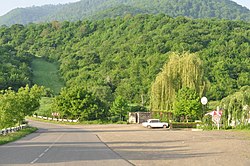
(55, 114)
(204, 100)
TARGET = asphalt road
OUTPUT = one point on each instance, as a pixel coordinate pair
(59, 145)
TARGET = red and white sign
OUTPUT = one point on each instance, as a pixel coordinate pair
(216, 116)
(55, 114)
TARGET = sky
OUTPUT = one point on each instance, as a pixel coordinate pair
(8, 5)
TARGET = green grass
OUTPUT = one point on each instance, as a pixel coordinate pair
(45, 107)
(46, 74)
(77, 123)
(16, 135)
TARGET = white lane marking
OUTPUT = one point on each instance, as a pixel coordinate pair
(41, 155)
(34, 161)
(45, 151)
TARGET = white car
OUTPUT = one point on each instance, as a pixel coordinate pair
(153, 123)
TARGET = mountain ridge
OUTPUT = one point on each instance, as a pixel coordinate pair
(100, 9)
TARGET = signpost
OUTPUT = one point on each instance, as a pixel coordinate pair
(216, 116)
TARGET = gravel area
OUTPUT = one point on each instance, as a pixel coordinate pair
(142, 146)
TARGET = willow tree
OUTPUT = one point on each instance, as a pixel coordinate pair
(236, 108)
(181, 70)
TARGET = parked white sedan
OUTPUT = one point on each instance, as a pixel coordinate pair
(153, 123)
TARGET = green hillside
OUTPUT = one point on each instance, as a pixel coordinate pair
(28, 15)
(46, 74)
(14, 67)
(99, 9)
(122, 56)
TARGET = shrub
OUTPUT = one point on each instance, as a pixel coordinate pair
(184, 125)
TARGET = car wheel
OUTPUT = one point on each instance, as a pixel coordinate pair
(164, 126)
(148, 126)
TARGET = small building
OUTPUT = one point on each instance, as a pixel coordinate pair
(138, 117)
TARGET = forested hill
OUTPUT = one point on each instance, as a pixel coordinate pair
(122, 56)
(99, 9)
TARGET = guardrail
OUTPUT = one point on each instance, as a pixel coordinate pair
(12, 129)
(55, 119)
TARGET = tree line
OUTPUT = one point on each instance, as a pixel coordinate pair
(122, 57)
(100, 9)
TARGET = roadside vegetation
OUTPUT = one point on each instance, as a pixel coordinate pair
(16, 135)
(14, 106)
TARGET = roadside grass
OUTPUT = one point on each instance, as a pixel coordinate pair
(16, 135)
(94, 122)
(46, 74)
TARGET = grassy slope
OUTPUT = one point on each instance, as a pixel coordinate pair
(46, 74)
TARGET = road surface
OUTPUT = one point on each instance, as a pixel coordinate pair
(122, 145)
(59, 145)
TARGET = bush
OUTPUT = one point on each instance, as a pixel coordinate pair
(121, 122)
(207, 123)
(243, 127)
(184, 125)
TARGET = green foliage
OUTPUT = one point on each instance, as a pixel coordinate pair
(122, 56)
(236, 108)
(207, 123)
(184, 125)
(14, 68)
(14, 106)
(179, 73)
(119, 109)
(45, 108)
(187, 104)
(99, 9)
(138, 108)
(164, 116)
(78, 103)
(243, 127)
(46, 74)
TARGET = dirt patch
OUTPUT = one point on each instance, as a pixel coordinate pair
(143, 146)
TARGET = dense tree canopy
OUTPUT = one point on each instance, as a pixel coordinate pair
(77, 103)
(122, 56)
(119, 109)
(15, 69)
(187, 105)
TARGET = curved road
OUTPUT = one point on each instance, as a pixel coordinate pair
(59, 145)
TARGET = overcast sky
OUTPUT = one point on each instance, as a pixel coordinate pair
(8, 5)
